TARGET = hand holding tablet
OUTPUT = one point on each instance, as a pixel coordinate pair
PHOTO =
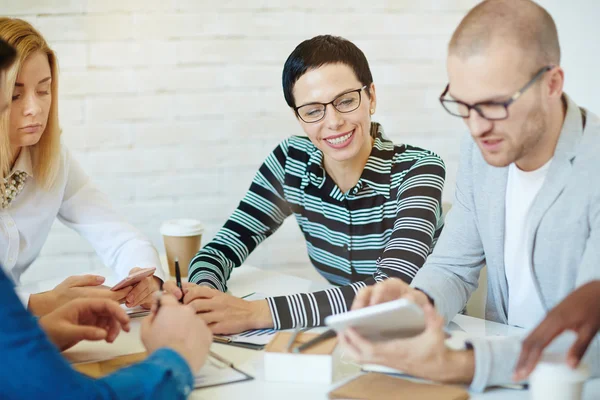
(391, 320)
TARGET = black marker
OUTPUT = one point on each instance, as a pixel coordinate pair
(178, 278)
(316, 340)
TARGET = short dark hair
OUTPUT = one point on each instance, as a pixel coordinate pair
(318, 51)
(7, 55)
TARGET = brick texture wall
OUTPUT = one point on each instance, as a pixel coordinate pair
(171, 105)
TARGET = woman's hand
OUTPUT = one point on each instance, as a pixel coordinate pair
(141, 293)
(84, 319)
(74, 287)
(226, 314)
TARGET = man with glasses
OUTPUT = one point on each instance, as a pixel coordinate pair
(527, 202)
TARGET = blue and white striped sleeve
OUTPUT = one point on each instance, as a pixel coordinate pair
(417, 226)
(260, 213)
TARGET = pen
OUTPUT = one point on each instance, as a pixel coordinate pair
(292, 339)
(322, 337)
(221, 359)
(178, 278)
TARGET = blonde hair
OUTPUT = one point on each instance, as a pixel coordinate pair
(45, 154)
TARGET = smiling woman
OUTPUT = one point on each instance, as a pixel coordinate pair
(368, 209)
(42, 181)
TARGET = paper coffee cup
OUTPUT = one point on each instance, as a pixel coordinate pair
(552, 380)
(182, 239)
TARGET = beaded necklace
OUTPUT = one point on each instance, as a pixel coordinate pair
(12, 187)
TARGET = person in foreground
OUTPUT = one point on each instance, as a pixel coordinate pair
(579, 312)
(176, 339)
(523, 205)
(369, 209)
(40, 181)
(33, 368)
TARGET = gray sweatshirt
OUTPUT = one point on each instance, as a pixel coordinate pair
(564, 240)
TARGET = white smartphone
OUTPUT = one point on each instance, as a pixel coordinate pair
(392, 320)
(133, 278)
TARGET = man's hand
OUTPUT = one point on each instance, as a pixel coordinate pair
(424, 356)
(226, 314)
(388, 290)
(179, 328)
(74, 287)
(84, 319)
(578, 312)
(141, 293)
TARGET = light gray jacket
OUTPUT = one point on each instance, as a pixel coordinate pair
(564, 240)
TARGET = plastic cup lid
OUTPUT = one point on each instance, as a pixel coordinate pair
(559, 371)
(182, 227)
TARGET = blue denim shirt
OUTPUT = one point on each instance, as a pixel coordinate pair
(32, 366)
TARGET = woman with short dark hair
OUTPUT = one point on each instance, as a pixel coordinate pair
(369, 209)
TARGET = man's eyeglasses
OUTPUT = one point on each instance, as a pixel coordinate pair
(344, 103)
(490, 110)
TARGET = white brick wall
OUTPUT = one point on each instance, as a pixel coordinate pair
(171, 105)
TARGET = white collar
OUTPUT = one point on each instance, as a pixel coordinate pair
(23, 163)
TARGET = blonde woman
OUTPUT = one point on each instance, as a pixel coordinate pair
(42, 181)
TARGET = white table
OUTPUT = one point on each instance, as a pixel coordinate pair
(248, 279)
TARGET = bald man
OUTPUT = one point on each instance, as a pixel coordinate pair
(527, 200)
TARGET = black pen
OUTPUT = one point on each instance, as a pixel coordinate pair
(322, 337)
(178, 278)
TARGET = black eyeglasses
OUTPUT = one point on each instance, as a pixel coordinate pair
(490, 110)
(344, 103)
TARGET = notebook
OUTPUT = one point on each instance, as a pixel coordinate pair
(374, 386)
(255, 339)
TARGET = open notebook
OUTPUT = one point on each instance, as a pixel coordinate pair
(254, 339)
(213, 373)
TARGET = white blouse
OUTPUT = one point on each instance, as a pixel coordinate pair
(75, 201)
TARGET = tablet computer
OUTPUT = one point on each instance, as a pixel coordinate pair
(134, 278)
(392, 320)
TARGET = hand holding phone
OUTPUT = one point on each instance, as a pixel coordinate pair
(132, 279)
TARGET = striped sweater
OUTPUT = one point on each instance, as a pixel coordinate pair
(385, 226)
